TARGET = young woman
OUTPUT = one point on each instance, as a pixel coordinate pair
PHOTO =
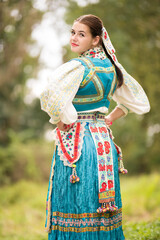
(84, 201)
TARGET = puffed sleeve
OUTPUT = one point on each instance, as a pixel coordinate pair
(130, 97)
(57, 98)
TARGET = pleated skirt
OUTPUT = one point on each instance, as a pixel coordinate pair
(72, 208)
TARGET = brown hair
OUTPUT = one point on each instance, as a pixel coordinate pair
(95, 24)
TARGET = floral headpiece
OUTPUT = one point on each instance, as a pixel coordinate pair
(108, 45)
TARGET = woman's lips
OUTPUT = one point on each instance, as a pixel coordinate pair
(74, 44)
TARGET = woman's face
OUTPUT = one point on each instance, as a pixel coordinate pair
(81, 38)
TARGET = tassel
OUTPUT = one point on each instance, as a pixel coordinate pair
(121, 169)
(74, 178)
(107, 207)
(113, 207)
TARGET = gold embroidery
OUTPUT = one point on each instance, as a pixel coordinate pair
(83, 215)
(87, 229)
(92, 76)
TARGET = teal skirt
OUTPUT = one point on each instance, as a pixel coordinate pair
(71, 208)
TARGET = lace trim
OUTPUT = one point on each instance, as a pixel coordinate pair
(70, 143)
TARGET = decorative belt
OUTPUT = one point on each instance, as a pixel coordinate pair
(95, 116)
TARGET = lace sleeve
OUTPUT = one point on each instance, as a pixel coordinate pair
(130, 97)
(61, 90)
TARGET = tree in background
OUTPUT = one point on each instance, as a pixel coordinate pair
(134, 30)
(17, 19)
(21, 124)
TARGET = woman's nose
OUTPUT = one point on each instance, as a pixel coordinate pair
(74, 37)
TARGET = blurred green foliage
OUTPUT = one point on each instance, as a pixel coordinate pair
(134, 30)
(17, 19)
(20, 123)
(25, 159)
(143, 230)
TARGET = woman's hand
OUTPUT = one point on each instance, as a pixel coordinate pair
(108, 121)
(114, 115)
(63, 127)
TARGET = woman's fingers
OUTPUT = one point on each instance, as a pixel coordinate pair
(63, 127)
(108, 122)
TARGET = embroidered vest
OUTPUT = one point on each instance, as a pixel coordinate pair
(97, 86)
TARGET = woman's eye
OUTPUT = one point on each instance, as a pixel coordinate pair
(72, 32)
(81, 34)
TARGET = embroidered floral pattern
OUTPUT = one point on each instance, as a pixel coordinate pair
(70, 143)
(86, 222)
(65, 82)
(101, 139)
(108, 45)
(97, 52)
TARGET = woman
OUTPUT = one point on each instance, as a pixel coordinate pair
(84, 201)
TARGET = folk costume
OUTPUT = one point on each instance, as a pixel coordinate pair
(84, 200)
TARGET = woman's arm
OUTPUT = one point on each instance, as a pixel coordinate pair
(114, 115)
(60, 92)
(131, 97)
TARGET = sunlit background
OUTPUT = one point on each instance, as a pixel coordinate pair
(34, 40)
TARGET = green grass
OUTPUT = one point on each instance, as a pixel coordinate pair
(140, 197)
(22, 209)
(143, 230)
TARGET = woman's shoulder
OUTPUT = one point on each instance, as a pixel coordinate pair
(67, 67)
(71, 63)
(93, 62)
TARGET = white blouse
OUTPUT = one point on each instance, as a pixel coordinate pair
(57, 98)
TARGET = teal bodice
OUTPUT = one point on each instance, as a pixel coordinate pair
(97, 86)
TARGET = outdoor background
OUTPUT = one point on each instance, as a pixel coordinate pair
(34, 38)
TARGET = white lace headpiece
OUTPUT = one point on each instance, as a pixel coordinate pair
(108, 45)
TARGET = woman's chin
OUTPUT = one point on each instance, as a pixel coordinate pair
(73, 49)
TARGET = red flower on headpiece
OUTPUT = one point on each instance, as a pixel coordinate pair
(114, 58)
(105, 35)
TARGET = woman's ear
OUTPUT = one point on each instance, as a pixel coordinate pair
(96, 41)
